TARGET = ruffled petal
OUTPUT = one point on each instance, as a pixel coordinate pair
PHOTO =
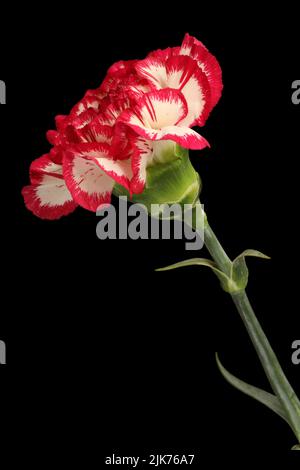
(184, 74)
(88, 184)
(99, 153)
(156, 110)
(181, 73)
(158, 116)
(119, 170)
(184, 136)
(88, 102)
(96, 132)
(48, 196)
(207, 63)
(141, 157)
(164, 54)
(153, 68)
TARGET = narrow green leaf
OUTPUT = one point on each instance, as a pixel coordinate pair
(255, 253)
(239, 270)
(192, 262)
(266, 398)
(198, 262)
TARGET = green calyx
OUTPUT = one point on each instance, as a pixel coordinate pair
(170, 180)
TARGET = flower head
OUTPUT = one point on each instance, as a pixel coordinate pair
(119, 132)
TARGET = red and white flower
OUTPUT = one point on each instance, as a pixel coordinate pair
(133, 120)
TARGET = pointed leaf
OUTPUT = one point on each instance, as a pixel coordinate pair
(255, 253)
(192, 262)
(266, 398)
(227, 284)
(239, 270)
(197, 262)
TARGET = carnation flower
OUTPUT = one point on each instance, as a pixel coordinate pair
(132, 123)
(131, 137)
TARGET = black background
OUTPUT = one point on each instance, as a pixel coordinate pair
(108, 354)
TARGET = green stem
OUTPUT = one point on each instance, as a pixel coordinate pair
(270, 363)
(268, 359)
(216, 250)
